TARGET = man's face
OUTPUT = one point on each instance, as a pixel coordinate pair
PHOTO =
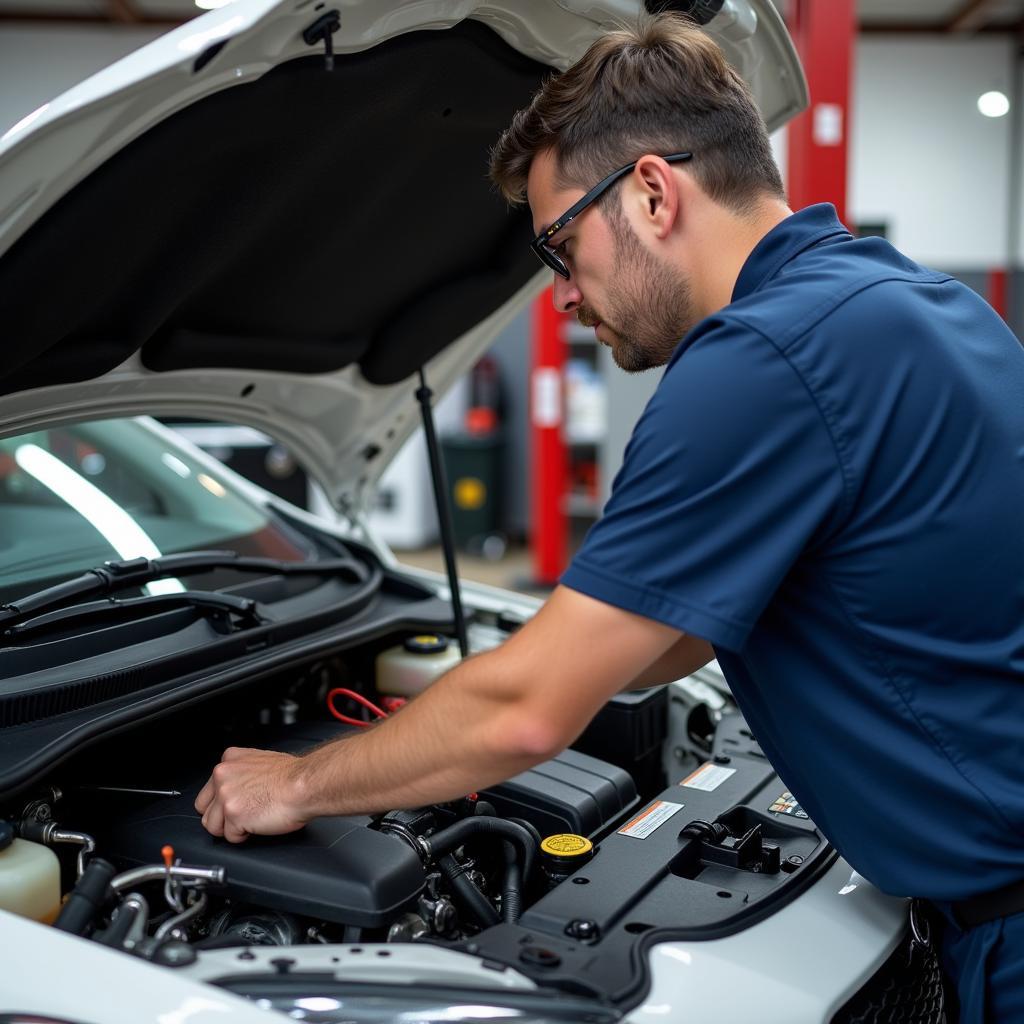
(639, 304)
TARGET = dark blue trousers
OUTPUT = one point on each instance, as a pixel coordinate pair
(986, 964)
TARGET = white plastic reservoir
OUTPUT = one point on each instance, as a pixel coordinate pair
(410, 667)
(30, 881)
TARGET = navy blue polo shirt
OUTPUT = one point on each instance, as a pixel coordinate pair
(828, 485)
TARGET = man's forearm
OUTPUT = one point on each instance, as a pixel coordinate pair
(470, 730)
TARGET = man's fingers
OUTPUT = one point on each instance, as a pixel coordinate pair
(236, 753)
(205, 797)
(213, 819)
(233, 834)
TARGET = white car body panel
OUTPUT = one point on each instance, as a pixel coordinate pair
(51, 972)
(784, 970)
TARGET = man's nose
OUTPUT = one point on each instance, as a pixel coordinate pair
(565, 295)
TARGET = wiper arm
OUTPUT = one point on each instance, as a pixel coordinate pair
(226, 608)
(136, 572)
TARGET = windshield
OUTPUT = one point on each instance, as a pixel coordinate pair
(73, 497)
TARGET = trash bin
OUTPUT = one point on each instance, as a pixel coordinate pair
(473, 467)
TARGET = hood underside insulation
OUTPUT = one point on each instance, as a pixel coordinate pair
(302, 222)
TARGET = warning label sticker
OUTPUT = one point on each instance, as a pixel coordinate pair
(708, 777)
(786, 804)
(655, 815)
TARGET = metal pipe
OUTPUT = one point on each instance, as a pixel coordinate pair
(158, 872)
(136, 903)
(1016, 175)
(53, 834)
(170, 925)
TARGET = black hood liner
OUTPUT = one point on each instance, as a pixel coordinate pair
(301, 222)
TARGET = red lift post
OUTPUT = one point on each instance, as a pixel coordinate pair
(549, 527)
(998, 292)
(824, 32)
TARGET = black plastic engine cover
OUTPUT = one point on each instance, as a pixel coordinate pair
(334, 869)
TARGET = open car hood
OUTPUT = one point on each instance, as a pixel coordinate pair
(220, 226)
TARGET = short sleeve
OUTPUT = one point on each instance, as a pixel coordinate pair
(729, 475)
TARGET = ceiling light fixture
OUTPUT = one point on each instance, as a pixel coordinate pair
(211, 5)
(993, 104)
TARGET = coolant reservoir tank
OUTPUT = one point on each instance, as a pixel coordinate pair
(410, 667)
(29, 878)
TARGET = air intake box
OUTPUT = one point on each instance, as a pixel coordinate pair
(571, 793)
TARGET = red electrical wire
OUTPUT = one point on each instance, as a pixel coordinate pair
(359, 699)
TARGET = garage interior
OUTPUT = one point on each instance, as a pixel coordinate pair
(896, 87)
(914, 131)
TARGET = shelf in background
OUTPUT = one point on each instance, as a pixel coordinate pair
(581, 505)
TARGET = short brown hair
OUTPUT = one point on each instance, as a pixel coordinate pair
(661, 87)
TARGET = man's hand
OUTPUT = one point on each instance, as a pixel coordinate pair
(250, 793)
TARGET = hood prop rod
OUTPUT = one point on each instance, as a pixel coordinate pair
(439, 482)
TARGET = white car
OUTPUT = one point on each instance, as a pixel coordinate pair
(277, 215)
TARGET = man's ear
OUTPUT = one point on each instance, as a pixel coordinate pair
(658, 191)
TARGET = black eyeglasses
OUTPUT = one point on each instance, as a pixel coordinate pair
(545, 253)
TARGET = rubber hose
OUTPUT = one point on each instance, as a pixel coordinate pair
(455, 835)
(511, 897)
(530, 827)
(79, 913)
(471, 898)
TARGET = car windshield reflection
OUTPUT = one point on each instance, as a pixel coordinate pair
(72, 497)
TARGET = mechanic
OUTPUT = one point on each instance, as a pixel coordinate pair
(826, 491)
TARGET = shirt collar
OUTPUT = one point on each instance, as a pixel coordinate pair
(789, 238)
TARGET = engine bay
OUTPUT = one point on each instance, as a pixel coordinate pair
(664, 821)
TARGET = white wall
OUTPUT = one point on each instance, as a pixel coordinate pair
(922, 158)
(38, 63)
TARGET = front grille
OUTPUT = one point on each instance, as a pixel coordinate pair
(907, 989)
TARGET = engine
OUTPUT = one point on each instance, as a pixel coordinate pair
(446, 871)
(397, 876)
(680, 827)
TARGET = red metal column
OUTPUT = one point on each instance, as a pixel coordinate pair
(549, 528)
(997, 296)
(824, 32)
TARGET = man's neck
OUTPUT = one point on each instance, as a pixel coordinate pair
(735, 238)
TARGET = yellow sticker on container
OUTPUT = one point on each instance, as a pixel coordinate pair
(470, 493)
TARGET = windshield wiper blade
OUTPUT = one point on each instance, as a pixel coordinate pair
(137, 572)
(234, 612)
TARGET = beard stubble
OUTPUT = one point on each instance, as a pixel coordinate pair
(649, 305)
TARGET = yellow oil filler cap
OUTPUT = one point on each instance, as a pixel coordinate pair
(564, 853)
(565, 844)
